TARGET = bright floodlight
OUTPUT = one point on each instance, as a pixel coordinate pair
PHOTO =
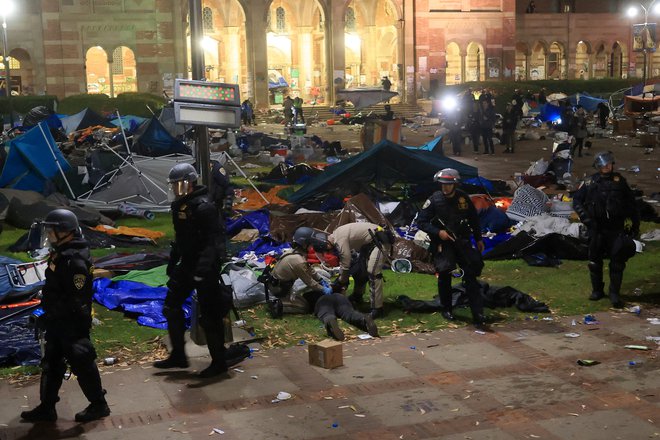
(656, 8)
(449, 103)
(7, 7)
(632, 11)
(209, 43)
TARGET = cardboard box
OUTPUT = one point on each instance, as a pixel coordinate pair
(623, 126)
(326, 354)
(647, 140)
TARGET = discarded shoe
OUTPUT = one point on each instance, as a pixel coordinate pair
(448, 315)
(333, 329)
(172, 362)
(40, 413)
(213, 370)
(595, 296)
(94, 411)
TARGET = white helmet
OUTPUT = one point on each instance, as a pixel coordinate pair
(447, 176)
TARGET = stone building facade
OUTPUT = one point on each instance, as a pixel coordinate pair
(311, 48)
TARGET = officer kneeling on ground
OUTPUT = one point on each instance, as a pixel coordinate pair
(604, 202)
(450, 219)
(327, 306)
(195, 260)
(67, 320)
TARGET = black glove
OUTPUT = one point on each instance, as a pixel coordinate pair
(228, 207)
(174, 260)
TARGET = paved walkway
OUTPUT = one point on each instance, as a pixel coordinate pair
(520, 382)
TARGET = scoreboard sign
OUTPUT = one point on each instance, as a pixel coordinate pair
(207, 103)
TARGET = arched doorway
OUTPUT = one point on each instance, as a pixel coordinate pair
(124, 71)
(296, 50)
(582, 68)
(555, 62)
(97, 71)
(522, 54)
(224, 43)
(600, 62)
(537, 62)
(453, 73)
(475, 62)
(372, 28)
(20, 71)
(616, 61)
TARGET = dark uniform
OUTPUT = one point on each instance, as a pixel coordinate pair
(604, 203)
(458, 216)
(221, 192)
(67, 321)
(195, 261)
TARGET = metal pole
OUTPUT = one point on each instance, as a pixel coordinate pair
(7, 70)
(197, 68)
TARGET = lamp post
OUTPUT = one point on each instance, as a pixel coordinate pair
(644, 35)
(6, 7)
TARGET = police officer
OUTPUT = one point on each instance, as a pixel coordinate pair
(67, 319)
(373, 243)
(327, 306)
(450, 219)
(195, 260)
(604, 202)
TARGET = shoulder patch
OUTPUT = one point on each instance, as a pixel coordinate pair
(222, 171)
(426, 204)
(616, 178)
(462, 203)
(79, 281)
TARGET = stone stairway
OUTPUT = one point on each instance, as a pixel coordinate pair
(319, 113)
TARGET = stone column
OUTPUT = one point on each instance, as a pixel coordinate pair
(305, 60)
(232, 59)
(370, 55)
(335, 49)
(257, 53)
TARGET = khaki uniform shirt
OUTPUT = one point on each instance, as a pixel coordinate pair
(293, 265)
(351, 236)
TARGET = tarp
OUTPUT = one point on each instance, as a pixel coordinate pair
(383, 164)
(17, 343)
(276, 80)
(588, 102)
(365, 97)
(168, 119)
(12, 283)
(32, 160)
(429, 146)
(549, 112)
(636, 104)
(39, 114)
(84, 119)
(153, 139)
(129, 122)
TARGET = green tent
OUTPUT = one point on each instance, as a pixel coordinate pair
(384, 164)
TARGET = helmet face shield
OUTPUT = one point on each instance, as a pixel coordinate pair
(603, 159)
(180, 188)
(38, 236)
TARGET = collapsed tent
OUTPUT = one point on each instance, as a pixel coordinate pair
(33, 160)
(384, 164)
(18, 279)
(129, 123)
(84, 119)
(365, 97)
(153, 139)
(168, 119)
(588, 102)
(637, 104)
(39, 114)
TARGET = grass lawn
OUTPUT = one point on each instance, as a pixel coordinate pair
(564, 289)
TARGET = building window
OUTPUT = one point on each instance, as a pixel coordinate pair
(14, 64)
(553, 63)
(280, 20)
(117, 62)
(207, 19)
(350, 20)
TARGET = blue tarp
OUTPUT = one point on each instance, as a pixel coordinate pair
(84, 119)
(259, 220)
(549, 112)
(264, 245)
(429, 146)
(136, 298)
(17, 343)
(152, 139)
(130, 122)
(31, 160)
(590, 103)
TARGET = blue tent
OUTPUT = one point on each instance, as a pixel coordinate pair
(84, 119)
(32, 160)
(549, 112)
(130, 122)
(383, 164)
(152, 139)
(590, 103)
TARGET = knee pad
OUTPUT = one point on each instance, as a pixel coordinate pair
(595, 266)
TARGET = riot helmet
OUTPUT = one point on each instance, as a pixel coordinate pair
(182, 179)
(447, 176)
(603, 158)
(58, 224)
(305, 237)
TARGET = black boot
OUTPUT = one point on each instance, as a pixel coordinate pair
(217, 368)
(42, 413)
(597, 286)
(448, 315)
(362, 321)
(616, 278)
(376, 313)
(333, 329)
(175, 360)
(94, 411)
